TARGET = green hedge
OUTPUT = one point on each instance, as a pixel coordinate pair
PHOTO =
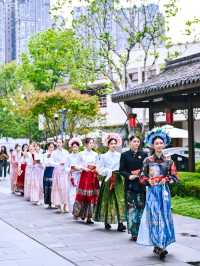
(189, 185)
(187, 206)
(197, 167)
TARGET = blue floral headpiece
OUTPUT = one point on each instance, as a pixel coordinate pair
(157, 132)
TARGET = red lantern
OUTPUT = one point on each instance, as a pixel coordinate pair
(132, 120)
(169, 117)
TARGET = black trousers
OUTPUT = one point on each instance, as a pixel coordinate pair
(3, 168)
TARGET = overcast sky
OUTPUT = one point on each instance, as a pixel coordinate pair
(188, 10)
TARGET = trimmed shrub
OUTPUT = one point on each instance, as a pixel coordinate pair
(197, 167)
(189, 185)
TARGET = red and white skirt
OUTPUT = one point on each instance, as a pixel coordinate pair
(87, 195)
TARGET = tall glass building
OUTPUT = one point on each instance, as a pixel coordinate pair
(2, 31)
(32, 16)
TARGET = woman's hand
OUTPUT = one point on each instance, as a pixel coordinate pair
(132, 177)
(152, 182)
(163, 181)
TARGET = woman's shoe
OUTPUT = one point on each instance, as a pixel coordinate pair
(89, 222)
(108, 226)
(133, 238)
(160, 252)
(121, 227)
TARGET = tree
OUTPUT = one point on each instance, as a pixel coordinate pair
(82, 111)
(55, 56)
(8, 79)
(15, 122)
(140, 26)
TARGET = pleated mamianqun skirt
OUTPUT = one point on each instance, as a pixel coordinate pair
(111, 205)
(60, 187)
(36, 184)
(47, 184)
(74, 183)
(87, 195)
(20, 179)
(13, 176)
(27, 182)
(157, 228)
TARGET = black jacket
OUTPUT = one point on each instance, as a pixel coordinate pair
(132, 161)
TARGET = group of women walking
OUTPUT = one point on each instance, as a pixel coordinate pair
(111, 187)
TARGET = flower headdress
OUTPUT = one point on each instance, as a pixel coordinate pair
(75, 140)
(157, 132)
(106, 137)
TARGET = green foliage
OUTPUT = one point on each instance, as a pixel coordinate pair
(16, 124)
(82, 110)
(189, 185)
(8, 79)
(145, 34)
(187, 206)
(197, 167)
(54, 56)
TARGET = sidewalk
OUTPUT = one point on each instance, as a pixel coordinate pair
(32, 235)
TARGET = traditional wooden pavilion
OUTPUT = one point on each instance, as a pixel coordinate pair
(176, 88)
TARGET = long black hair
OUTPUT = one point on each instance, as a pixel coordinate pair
(3, 150)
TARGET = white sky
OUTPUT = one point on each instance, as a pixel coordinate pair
(188, 10)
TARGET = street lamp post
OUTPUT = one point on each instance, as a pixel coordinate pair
(63, 122)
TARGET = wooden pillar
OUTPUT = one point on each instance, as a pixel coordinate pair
(151, 118)
(191, 138)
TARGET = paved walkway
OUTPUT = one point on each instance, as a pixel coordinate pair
(31, 235)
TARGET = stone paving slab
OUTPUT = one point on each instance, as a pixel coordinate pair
(16, 249)
(82, 244)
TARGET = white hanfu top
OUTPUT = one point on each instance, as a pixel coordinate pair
(60, 156)
(89, 158)
(109, 162)
(75, 159)
(47, 161)
(29, 159)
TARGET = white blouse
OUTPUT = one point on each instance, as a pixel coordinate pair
(109, 162)
(89, 157)
(60, 156)
(29, 159)
(47, 161)
(75, 159)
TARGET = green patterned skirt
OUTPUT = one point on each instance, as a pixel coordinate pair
(111, 203)
(135, 203)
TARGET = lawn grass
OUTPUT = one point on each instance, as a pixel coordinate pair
(187, 206)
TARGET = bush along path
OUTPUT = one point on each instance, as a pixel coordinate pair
(186, 195)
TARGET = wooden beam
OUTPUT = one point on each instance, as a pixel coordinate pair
(151, 94)
(191, 137)
(180, 102)
(151, 118)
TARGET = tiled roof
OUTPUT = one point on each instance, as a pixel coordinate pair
(182, 72)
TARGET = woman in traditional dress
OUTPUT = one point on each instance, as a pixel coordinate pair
(88, 188)
(15, 161)
(110, 206)
(60, 186)
(75, 163)
(36, 193)
(22, 170)
(3, 161)
(48, 173)
(157, 227)
(29, 159)
(131, 164)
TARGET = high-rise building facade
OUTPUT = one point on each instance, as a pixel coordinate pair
(20, 20)
(2, 31)
(32, 16)
(10, 31)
